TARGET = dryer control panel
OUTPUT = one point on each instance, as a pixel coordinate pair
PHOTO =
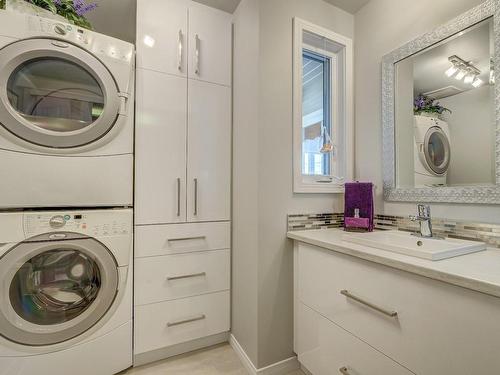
(87, 39)
(98, 223)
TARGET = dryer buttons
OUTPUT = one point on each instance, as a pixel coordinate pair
(57, 221)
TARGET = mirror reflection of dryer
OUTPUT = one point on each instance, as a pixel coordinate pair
(66, 115)
(66, 300)
(432, 151)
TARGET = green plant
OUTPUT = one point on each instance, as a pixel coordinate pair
(423, 103)
(2, 4)
(73, 10)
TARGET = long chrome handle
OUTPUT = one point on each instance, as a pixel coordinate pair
(197, 54)
(178, 197)
(179, 322)
(195, 196)
(200, 274)
(179, 60)
(186, 238)
(390, 313)
(344, 371)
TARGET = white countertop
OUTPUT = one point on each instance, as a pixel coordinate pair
(478, 271)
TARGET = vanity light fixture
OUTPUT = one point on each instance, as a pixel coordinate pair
(461, 74)
(477, 82)
(463, 70)
(451, 70)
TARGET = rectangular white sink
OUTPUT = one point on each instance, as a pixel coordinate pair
(420, 247)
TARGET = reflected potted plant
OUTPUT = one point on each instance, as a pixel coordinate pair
(426, 106)
(72, 11)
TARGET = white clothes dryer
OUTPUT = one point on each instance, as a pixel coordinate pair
(66, 292)
(432, 151)
(66, 115)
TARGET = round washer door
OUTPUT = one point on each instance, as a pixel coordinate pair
(53, 291)
(55, 94)
(436, 149)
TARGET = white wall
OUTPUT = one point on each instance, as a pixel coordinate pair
(380, 27)
(472, 134)
(263, 178)
(245, 176)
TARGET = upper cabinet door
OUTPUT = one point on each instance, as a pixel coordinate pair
(162, 35)
(209, 152)
(160, 148)
(210, 36)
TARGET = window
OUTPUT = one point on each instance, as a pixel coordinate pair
(322, 109)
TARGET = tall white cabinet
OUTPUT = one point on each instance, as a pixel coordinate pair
(183, 177)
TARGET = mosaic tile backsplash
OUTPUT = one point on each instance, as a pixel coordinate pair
(488, 233)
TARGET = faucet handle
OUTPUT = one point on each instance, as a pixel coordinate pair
(424, 210)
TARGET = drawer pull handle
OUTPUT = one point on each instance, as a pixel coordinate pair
(179, 322)
(344, 371)
(390, 313)
(186, 238)
(200, 274)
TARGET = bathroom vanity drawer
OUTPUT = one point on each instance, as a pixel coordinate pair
(164, 324)
(181, 275)
(436, 328)
(152, 240)
(325, 349)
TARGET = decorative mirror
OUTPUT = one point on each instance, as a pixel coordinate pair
(441, 112)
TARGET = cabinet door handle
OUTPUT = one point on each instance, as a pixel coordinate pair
(197, 54)
(195, 196)
(180, 47)
(178, 197)
(200, 274)
(344, 371)
(189, 320)
(186, 238)
(390, 313)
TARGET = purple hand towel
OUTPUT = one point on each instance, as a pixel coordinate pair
(359, 195)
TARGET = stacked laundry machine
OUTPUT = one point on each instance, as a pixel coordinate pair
(66, 178)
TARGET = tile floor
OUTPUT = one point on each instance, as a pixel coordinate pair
(218, 360)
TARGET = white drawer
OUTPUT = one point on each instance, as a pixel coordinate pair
(439, 328)
(152, 240)
(164, 324)
(181, 275)
(325, 349)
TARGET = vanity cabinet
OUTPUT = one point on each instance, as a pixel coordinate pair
(425, 326)
(182, 178)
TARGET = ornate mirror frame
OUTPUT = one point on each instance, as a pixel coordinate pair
(458, 194)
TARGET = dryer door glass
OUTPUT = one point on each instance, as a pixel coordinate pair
(56, 290)
(437, 150)
(55, 94)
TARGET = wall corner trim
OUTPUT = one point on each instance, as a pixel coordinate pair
(278, 368)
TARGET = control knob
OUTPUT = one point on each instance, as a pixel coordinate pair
(57, 221)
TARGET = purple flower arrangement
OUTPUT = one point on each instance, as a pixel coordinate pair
(423, 103)
(73, 10)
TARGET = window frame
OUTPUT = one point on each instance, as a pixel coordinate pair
(338, 112)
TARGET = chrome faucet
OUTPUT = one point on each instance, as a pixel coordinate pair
(424, 218)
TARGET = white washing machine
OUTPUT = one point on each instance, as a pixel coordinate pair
(66, 115)
(432, 151)
(66, 292)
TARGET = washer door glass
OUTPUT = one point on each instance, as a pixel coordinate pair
(54, 291)
(55, 94)
(55, 286)
(437, 150)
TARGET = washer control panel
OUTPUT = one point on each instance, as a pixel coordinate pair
(99, 223)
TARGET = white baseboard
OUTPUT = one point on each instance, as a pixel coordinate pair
(278, 368)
